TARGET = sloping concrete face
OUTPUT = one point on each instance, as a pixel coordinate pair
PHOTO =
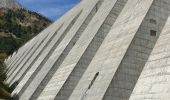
(109, 56)
(46, 53)
(138, 52)
(78, 60)
(58, 51)
(97, 51)
(24, 58)
(154, 82)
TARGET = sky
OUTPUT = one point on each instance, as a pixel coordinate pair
(53, 9)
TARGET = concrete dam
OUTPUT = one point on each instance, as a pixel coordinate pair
(99, 50)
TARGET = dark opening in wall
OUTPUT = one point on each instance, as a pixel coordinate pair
(153, 21)
(153, 33)
(90, 85)
(96, 75)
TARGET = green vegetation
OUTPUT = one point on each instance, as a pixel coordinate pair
(4, 89)
(8, 45)
(17, 26)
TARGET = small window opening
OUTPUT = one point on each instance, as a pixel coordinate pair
(96, 75)
(153, 33)
(98, 5)
(74, 43)
(90, 85)
(97, 8)
(153, 21)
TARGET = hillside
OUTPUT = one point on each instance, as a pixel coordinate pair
(9, 4)
(17, 26)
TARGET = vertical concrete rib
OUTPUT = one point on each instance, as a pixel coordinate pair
(18, 56)
(65, 43)
(30, 55)
(90, 52)
(22, 50)
(19, 60)
(13, 58)
(26, 57)
(49, 55)
(15, 55)
(138, 53)
(10, 67)
(73, 70)
(48, 51)
(23, 70)
(86, 19)
(26, 63)
(28, 44)
(154, 81)
(97, 51)
(111, 52)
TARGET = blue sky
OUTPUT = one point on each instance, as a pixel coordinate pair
(53, 9)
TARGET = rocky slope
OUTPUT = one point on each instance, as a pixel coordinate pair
(9, 4)
(17, 26)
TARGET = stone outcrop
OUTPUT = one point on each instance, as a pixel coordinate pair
(9, 4)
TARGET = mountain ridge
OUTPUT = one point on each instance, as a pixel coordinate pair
(17, 26)
(9, 4)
